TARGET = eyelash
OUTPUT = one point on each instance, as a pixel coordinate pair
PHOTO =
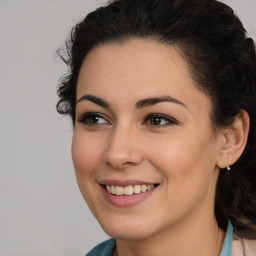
(161, 117)
(168, 120)
(84, 118)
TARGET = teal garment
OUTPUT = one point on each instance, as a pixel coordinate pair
(227, 244)
(106, 248)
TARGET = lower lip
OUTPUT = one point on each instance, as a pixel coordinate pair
(126, 201)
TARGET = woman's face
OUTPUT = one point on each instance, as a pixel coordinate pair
(143, 128)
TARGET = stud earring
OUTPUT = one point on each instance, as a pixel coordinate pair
(228, 168)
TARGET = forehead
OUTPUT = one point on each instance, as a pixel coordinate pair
(137, 69)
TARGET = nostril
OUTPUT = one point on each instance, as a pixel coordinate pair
(127, 163)
(119, 164)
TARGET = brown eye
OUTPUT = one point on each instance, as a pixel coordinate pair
(159, 120)
(155, 121)
(93, 119)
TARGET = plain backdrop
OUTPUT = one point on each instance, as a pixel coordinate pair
(41, 210)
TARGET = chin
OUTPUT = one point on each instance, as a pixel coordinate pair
(130, 235)
(128, 230)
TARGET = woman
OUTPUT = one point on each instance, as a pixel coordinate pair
(162, 95)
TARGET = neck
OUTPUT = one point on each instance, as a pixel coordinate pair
(190, 238)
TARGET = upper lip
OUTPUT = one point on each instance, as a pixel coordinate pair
(124, 183)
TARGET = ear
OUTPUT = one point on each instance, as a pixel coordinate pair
(234, 140)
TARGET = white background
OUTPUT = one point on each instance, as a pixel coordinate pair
(41, 210)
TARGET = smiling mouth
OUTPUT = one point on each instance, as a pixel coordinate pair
(128, 190)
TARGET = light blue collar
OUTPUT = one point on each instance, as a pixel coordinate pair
(226, 248)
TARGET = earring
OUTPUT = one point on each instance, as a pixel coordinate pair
(228, 168)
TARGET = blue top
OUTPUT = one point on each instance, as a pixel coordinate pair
(227, 244)
(106, 248)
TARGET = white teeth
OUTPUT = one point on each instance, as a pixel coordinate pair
(136, 189)
(108, 188)
(119, 191)
(144, 188)
(128, 190)
(113, 190)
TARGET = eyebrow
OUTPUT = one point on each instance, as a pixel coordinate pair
(140, 104)
(95, 100)
(152, 101)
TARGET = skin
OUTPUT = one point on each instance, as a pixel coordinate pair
(182, 157)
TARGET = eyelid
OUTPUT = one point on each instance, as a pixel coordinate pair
(83, 116)
(171, 120)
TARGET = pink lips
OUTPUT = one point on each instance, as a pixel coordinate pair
(125, 201)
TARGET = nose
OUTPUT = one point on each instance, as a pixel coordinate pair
(123, 149)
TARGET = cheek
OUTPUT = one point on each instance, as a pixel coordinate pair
(188, 181)
(186, 160)
(85, 154)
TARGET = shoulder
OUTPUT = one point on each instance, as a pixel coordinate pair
(241, 246)
(103, 249)
(250, 247)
